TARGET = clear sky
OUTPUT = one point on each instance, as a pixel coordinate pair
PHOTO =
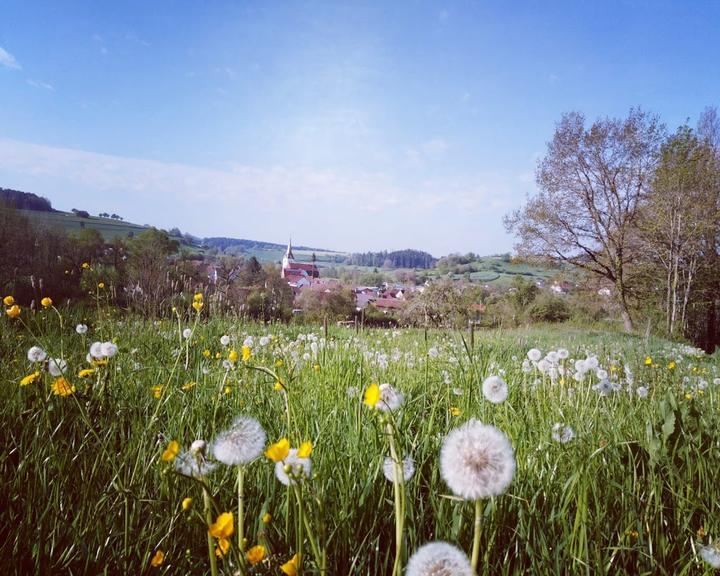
(348, 125)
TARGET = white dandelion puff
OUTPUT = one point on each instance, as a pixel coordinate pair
(240, 444)
(534, 354)
(408, 469)
(225, 340)
(57, 366)
(477, 461)
(187, 333)
(439, 559)
(108, 349)
(36, 354)
(81, 329)
(562, 434)
(264, 340)
(563, 354)
(601, 374)
(642, 392)
(193, 464)
(711, 555)
(495, 389)
(96, 350)
(293, 468)
(390, 398)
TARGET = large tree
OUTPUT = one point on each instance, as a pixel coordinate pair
(591, 183)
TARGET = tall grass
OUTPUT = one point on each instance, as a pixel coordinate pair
(85, 490)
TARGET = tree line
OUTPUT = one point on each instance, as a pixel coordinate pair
(638, 208)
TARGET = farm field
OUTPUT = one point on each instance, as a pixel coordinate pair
(614, 439)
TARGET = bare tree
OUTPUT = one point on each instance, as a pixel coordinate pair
(591, 183)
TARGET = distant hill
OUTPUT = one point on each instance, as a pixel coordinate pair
(222, 243)
(24, 200)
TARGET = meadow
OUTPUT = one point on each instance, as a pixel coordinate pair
(614, 438)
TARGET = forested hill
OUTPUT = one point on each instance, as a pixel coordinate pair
(24, 200)
(396, 259)
(221, 243)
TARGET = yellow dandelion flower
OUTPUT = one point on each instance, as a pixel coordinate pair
(198, 306)
(316, 367)
(648, 361)
(278, 451)
(305, 450)
(688, 396)
(171, 451)
(671, 365)
(46, 302)
(13, 311)
(8, 300)
(101, 285)
(30, 378)
(290, 567)
(222, 547)
(158, 559)
(223, 527)
(85, 265)
(267, 518)
(218, 356)
(186, 504)
(372, 395)
(86, 372)
(62, 387)
(278, 363)
(188, 385)
(157, 391)
(198, 297)
(206, 353)
(232, 355)
(256, 554)
(246, 353)
(455, 411)
(227, 389)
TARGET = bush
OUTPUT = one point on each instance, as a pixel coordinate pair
(549, 308)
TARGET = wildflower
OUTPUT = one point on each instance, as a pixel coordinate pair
(563, 354)
(193, 462)
(477, 461)
(604, 387)
(227, 390)
(171, 451)
(256, 554)
(562, 434)
(36, 354)
(158, 559)
(13, 311)
(186, 504)
(433, 352)
(197, 306)
(85, 265)
(534, 354)
(206, 353)
(188, 385)
(157, 391)
(101, 285)
(711, 555)
(81, 328)
(495, 389)
(278, 451)
(455, 411)
(108, 349)
(290, 568)
(246, 353)
(701, 532)
(439, 559)
(225, 340)
(408, 469)
(240, 444)
(390, 398)
(671, 365)
(648, 361)
(223, 527)
(57, 366)
(187, 333)
(316, 367)
(267, 517)
(222, 548)
(8, 300)
(61, 387)
(198, 297)
(305, 450)
(46, 302)
(372, 395)
(232, 356)
(601, 374)
(264, 341)
(292, 468)
(86, 372)
(642, 392)
(30, 378)
(278, 363)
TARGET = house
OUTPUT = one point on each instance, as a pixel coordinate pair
(297, 274)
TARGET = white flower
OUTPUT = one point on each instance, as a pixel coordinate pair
(198, 447)
(433, 352)
(543, 366)
(264, 340)
(249, 341)
(716, 381)
(193, 463)
(563, 354)
(439, 559)
(534, 354)
(56, 366)
(36, 354)
(601, 374)
(390, 398)
(108, 349)
(241, 443)
(477, 461)
(187, 333)
(526, 366)
(408, 469)
(604, 387)
(81, 328)
(591, 363)
(642, 392)
(711, 555)
(225, 340)
(495, 389)
(291, 469)
(562, 434)
(227, 365)
(458, 391)
(96, 350)
(552, 357)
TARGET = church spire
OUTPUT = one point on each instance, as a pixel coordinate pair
(288, 252)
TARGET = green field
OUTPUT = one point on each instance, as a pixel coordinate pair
(86, 488)
(71, 223)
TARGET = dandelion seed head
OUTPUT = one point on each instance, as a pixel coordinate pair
(408, 469)
(240, 444)
(642, 392)
(477, 461)
(534, 354)
(81, 329)
(711, 555)
(390, 398)
(193, 465)
(439, 559)
(293, 468)
(57, 366)
(36, 354)
(495, 389)
(108, 349)
(562, 433)
(187, 333)
(225, 340)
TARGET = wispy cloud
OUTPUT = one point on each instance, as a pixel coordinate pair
(8, 60)
(137, 40)
(42, 85)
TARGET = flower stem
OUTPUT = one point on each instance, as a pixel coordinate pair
(398, 492)
(241, 509)
(209, 521)
(476, 537)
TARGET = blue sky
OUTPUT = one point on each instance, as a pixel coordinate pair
(355, 126)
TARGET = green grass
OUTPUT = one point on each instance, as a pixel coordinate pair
(85, 490)
(71, 223)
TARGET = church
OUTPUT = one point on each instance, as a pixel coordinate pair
(297, 274)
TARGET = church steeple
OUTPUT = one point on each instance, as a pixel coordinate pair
(287, 258)
(288, 252)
